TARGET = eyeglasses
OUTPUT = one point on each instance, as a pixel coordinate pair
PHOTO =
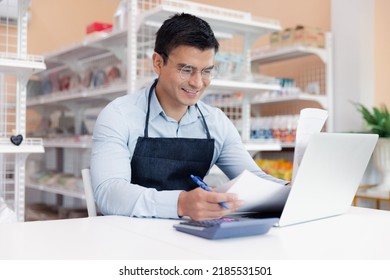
(187, 71)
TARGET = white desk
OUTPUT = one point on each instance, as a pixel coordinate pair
(359, 234)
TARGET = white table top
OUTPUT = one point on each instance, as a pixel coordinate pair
(359, 234)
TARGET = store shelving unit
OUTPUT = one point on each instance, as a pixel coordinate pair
(261, 57)
(68, 153)
(16, 66)
(130, 49)
(294, 102)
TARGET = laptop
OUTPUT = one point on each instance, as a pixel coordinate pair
(328, 177)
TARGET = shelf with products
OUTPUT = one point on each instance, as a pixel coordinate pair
(24, 65)
(16, 66)
(222, 21)
(261, 57)
(92, 69)
(267, 98)
(261, 99)
(28, 146)
(226, 86)
(59, 189)
(94, 77)
(58, 170)
(289, 52)
(313, 70)
(64, 100)
(80, 95)
(271, 116)
(81, 142)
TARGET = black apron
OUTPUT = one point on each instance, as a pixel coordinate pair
(167, 163)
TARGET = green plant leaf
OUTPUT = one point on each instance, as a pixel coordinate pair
(377, 120)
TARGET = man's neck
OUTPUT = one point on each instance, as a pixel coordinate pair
(175, 112)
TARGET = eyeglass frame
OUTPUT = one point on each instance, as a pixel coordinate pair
(185, 76)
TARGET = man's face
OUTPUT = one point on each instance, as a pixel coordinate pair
(177, 89)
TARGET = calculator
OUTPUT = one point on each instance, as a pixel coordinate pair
(226, 227)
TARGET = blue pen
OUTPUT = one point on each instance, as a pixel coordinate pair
(204, 186)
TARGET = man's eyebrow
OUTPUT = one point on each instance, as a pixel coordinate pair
(183, 64)
(189, 65)
(209, 67)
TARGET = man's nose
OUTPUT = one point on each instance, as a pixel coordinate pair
(196, 79)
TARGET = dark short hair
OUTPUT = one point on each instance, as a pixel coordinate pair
(184, 29)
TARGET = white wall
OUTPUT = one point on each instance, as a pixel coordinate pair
(352, 24)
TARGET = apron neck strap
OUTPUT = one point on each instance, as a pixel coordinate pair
(148, 112)
(204, 122)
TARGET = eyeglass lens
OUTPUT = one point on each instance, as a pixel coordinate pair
(187, 71)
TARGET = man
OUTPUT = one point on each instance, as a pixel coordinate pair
(147, 144)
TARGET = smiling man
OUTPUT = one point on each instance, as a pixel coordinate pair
(147, 144)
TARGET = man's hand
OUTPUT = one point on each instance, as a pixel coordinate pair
(199, 204)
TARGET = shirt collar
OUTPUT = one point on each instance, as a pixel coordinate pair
(156, 110)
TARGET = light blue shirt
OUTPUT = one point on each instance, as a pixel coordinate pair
(115, 135)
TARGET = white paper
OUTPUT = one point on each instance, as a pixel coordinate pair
(311, 120)
(259, 195)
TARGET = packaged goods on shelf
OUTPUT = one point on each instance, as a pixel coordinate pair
(99, 78)
(87, 78)
(280, 168)
(261, 128)
(286, 82)
(313, 88)
(98, 26)
(274, 40)
(300, 35)
(280, 39)
(272, 95)
(278, 128)
(264, 79)
(34, 87)
(113, 74)
(286, 37)
(65, 80)
(309, 36)
(229, 65)
(289, 87)
(56, 179)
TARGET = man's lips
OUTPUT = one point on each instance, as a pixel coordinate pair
(191, 92)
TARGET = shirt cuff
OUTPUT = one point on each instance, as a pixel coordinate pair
(166, 204)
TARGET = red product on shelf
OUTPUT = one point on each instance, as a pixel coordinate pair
(98, 26)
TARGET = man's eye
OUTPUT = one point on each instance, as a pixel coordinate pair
(186, 70)
(207, 71)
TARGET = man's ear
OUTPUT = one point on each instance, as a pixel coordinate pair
(158, 62)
